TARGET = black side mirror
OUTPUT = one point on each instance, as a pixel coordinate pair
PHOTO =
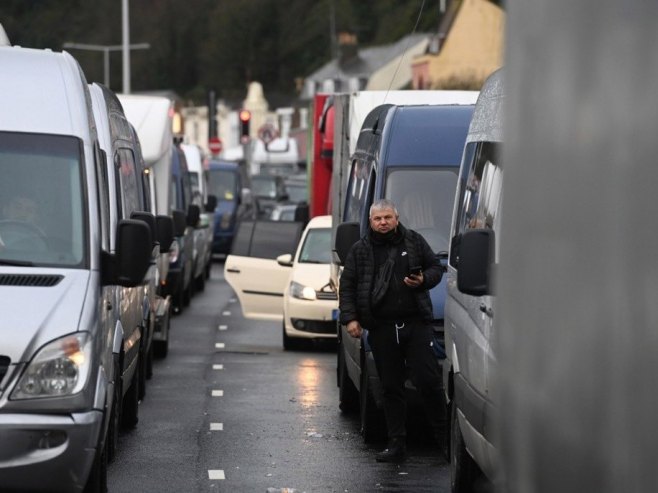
(132, 257)
(165, 229)
(302, 213)
(476, 256)
(180, 222)
(347, 234)
(211, 203)
(193, 215)
(149, 219)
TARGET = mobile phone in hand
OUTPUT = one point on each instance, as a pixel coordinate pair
(416, 270)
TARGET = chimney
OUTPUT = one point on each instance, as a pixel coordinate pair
(348, 47)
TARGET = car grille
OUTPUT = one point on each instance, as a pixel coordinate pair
(314, 326)
(33, 280)
(326, 295)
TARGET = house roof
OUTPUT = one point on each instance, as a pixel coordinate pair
(367, 61)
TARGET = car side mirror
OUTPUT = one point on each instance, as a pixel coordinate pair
(128, 265)
(211, 203)
(347, 234)
(149, 219)
(475, 260)
(180, 222)
(165, 229)
(193, 215)
(284, 260)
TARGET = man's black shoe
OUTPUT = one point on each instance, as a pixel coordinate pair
(395, 452)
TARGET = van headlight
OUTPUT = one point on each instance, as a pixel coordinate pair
(302, 292)
(60, 368)
(174, 251)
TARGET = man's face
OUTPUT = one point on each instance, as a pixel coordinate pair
(383, 220)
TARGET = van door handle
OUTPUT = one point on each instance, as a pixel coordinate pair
(233, 270)
(486, 309)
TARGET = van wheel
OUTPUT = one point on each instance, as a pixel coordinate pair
(464, 472)
(373, 427)
(97, 480)
(161, 348)
(200, 282)
(348, 395)
(130, 404)
(115, 413)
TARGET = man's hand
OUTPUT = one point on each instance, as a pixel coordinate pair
(414, 280)
(354, 329)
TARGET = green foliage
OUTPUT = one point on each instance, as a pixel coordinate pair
(221, 44)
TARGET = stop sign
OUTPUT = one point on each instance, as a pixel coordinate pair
(215, 145)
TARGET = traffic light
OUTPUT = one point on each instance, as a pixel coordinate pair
(245, 118)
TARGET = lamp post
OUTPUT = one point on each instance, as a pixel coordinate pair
(106, 54)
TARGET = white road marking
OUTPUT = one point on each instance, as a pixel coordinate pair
(217, 367)
(226, 313)
(216, 426)
(217, 393)
(216, 474)
(220, 345)
(223, 327)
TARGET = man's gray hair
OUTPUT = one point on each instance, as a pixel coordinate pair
(382, 204)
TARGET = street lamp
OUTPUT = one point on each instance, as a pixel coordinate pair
(106, 53)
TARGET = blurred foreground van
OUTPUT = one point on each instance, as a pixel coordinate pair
(66, 359)
(470, 305)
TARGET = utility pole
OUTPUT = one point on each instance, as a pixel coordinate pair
(126, 46)
(106, 49)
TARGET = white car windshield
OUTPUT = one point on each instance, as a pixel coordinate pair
(317, 247)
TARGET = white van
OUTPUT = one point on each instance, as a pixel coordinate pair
(470, 306)
(65, 354)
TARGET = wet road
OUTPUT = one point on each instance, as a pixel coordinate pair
(229, 410)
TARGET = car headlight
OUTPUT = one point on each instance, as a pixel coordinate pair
(302, 292)
(60, 368)
(174, 251)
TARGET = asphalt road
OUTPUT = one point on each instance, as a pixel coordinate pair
(229, 410)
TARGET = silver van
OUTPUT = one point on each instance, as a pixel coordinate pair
(65, 354)
(470, 305)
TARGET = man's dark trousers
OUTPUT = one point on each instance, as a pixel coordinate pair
(411, 346)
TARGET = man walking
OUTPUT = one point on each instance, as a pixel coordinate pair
(384, 287)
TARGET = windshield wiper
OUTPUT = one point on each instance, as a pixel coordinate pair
(18, 263)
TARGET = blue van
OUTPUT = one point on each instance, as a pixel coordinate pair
(411, 155)
(227, 182)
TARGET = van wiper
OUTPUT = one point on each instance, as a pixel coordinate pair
(18, 263)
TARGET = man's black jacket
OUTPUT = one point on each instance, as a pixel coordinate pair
(356, 280)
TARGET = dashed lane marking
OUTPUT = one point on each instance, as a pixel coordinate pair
(216, 474)
(217, 393)
(216, 426)
(223, 327)
(217, 367)
(220, 345)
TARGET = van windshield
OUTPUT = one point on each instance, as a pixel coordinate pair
(424, 198)
(222, 184)
(42, 218)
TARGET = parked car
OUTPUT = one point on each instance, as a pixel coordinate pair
(269, 190)
(68, 369)
(283, 212)
(470, 305)
(202, 253)
(310, 304)
(228, 183)
(186, 217)
(409, 154)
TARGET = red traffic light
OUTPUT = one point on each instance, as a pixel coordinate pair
(245, 115)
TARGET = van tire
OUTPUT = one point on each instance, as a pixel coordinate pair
(348, 395)
(373, 426)
(130, 404)
(97, 480)
(464, 472)
(114, 418)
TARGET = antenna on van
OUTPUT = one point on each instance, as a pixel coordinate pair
(406, 47)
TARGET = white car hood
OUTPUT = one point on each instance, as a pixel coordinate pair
(312, 275)
(31, 316)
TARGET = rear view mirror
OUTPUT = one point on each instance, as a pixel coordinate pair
(347, 234)
(165, 230)
(476, 254)
(133, 252)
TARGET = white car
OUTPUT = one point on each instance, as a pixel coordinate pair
(310, 304)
